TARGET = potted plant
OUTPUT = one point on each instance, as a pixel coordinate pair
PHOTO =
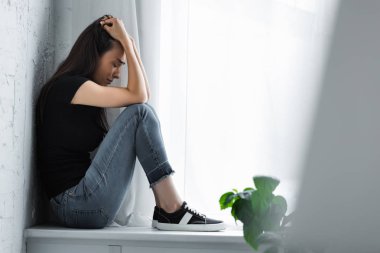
(261, 212)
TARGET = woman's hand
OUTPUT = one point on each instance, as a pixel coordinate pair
(115, 28)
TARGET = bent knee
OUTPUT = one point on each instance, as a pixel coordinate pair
(137, 106)
(141, 108)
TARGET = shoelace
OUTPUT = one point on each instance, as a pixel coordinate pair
(195, 211)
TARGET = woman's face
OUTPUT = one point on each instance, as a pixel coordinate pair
(109, 65)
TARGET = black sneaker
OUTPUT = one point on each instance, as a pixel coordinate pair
(185, 219)
(155, 216)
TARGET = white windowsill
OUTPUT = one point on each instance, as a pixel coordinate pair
(47, 238)
(229, 235)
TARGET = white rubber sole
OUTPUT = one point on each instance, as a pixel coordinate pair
(154, 223)
(191, 227)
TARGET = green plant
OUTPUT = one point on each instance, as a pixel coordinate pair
(260, 211)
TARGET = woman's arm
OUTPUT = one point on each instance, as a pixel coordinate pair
(136, 82)
(141, 67)
(94, 94)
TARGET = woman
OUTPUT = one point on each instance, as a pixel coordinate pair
(71, 123)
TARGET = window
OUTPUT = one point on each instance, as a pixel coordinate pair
(238, 82)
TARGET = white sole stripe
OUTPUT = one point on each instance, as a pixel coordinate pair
(191, 227)
(186, 218)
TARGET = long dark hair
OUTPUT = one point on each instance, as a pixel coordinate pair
(82, 60)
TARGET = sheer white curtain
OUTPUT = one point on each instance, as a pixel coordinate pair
(238, 81)
(141, 19)
(233, 82)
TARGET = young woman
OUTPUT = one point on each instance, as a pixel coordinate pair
(71, 123)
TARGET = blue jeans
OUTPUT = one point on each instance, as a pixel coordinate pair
(96, 199)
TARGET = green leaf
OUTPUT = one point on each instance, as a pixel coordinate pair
(226, 200)
(235, 190)
(233, 210)
(251, 233)
(243, 210)
(245, 194)
(260, 202)
(235, 207)
(249, 189)
(272, 218)
(280, 201)
(265, 184)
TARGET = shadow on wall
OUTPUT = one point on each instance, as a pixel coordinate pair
(41, 59)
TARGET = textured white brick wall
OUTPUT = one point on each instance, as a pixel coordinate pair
(26, 51)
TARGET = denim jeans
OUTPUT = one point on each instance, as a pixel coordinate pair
(96, 199)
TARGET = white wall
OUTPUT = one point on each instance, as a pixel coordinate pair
(339, 197)
(26, 49)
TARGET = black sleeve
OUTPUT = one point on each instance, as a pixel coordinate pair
(67, 86)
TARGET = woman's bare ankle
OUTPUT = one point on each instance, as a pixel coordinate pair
(171, 208)
(167, 196)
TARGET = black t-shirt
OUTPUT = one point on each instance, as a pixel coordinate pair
(67, 136)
